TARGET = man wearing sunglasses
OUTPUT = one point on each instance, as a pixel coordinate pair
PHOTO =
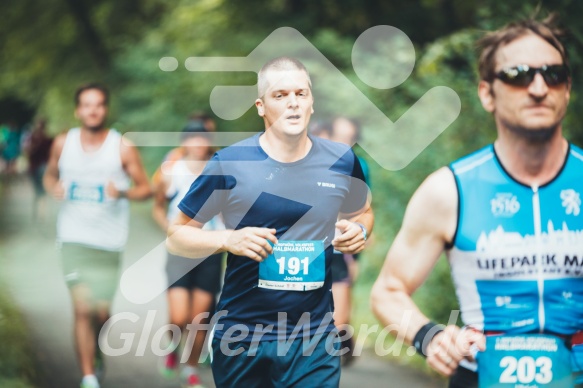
(508, 218)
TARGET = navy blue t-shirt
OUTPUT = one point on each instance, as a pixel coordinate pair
(302, 201)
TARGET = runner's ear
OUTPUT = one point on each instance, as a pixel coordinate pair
(486, 95)
(260, 108)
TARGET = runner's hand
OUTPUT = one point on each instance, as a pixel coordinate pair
(58, 192)
(252, 242)
(351, 238)
(448, 348)
(111, 190)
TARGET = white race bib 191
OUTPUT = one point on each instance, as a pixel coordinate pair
(294, 266)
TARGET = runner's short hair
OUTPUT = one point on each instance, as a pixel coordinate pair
(489, 44)
(193, 128)
(282, 64)
(92, 86)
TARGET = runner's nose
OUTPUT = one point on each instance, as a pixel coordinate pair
(538, 87)
(293, 100)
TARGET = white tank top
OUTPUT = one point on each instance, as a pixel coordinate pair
(180, 181)
(88, 215)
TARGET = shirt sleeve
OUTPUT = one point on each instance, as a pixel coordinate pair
(208, 194)
(357, 195)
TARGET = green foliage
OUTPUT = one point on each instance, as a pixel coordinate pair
(48, 48)
(16, 361)
(46, 51)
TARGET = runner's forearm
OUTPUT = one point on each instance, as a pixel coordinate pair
(367, 220)
(50, 180)
(396, 309)
(138, 193)
(159, 215)
(193, 242)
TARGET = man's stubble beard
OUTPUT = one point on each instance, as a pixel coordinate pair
(95, 128)
(534, 136)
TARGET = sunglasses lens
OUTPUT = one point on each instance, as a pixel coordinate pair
(523, 75)
(555, 75)
(517, 76)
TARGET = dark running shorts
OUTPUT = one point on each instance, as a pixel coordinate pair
(339, 269)
(192, 273)
(259, 364)
(95, 268)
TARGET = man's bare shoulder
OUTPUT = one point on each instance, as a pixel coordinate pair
(433, 208)
(59, 142)
(60, 138)
(126, 144)
(439, 191)
(128, 151)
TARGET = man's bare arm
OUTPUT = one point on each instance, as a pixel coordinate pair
(159, 210)
(429, 223)
(51, 181)
(132, 164)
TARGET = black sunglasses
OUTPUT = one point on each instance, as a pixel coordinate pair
(523, 75)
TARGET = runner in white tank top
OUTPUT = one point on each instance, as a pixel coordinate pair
(89, 171)
(89, 215)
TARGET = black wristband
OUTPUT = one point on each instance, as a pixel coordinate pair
(425, 335)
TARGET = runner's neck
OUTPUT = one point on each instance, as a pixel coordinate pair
(91, 141)
(285, 149)
(531, 163)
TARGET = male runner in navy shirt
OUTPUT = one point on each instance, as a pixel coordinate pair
(281, 194)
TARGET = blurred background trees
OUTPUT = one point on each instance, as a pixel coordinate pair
(48, 48)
